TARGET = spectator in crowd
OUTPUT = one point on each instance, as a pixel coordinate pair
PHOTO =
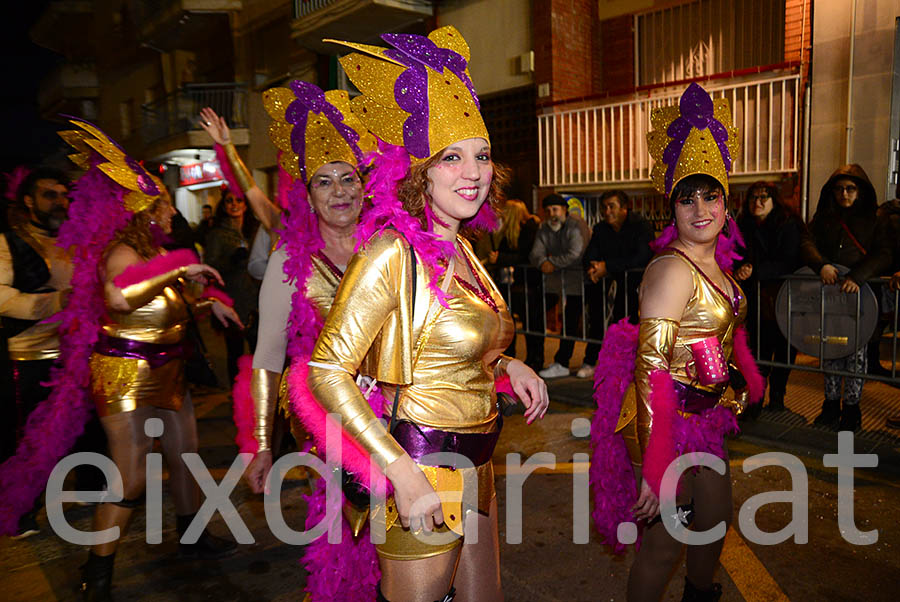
(888, 212)
(504, 252)
(558, 249)
(772, 233)
(228, 251)
(205, 225)
(845, 230)
(619, 242)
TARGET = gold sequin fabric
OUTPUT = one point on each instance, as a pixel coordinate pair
(452, 112)
(322, 142)
(700, 153)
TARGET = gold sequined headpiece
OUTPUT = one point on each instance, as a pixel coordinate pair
(91, 143)
(313, 128)
(417, 94)
(693, 137)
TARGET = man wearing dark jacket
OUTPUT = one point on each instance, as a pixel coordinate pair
(620, 242)
(845, 230)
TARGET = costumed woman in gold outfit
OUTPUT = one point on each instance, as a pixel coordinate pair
(137, 368)
(419, 313)
(691, 311)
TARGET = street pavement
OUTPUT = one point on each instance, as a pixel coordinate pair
(547, 564)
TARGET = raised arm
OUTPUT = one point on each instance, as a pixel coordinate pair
(267, 212)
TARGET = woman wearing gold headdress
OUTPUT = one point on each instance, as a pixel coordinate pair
(128, 305)
(417, 311)
(691, 311)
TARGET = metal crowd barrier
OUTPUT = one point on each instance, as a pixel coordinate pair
(522, 285)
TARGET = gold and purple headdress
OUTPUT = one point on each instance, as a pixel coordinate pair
(417, 94)
(91, 142)
(694, 137)
(313, 128)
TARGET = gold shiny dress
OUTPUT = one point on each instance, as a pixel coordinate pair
(123, 384)
(664, 344)
(440, 357)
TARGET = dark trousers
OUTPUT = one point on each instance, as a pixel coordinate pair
(596, 300)
(572, 311)
(533, 319)
(772, 347)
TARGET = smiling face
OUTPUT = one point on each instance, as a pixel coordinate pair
(460, 181)
(335, 194)
(234, 207)
(614, 212)
(700, 215)
(163, 211)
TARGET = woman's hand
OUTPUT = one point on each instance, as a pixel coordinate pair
(530, 388)
(848, 286)
(215, 126)
(647, 505)
(829, 274)
(743, 272)
(226, 314)
(258, 470)
(201, 273)
(418, 504)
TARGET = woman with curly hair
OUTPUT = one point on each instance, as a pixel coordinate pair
(419, 313)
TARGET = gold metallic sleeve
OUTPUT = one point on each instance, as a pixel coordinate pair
(139, 294)
(264, 389)
(241, 173)
(367, 297)
(656, 341)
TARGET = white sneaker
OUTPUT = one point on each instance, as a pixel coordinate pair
(586, 371)
(554, 370)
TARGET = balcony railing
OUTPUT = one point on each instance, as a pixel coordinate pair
(177, 112)
(607, 144)
(303, 8)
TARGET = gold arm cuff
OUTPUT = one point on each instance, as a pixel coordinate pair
(241, 173)
(656, 342)
(264, 390)
(140, 293)
(501, 365)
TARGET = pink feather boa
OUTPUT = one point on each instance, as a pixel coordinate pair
(743, 357)
(726, 246)
(243, 411)
(160, 264)
(96, 213)
(612, 478)
(233, 186)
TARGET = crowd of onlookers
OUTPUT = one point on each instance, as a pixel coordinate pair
(580, 280)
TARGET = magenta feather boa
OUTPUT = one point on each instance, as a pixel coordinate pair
(743, 357)
(96, 213)
(612, 478)
(227, 173)
(726, 245)
(243, 411)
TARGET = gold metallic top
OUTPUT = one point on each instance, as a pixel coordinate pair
(40, 340)
(448, 382)
(161, 320)
(663, 344)
(140, 293)
(322, 285)
(241, 173)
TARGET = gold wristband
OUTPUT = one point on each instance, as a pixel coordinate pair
(501, 365)
(264, 390)
(241, 173)
(140, 293)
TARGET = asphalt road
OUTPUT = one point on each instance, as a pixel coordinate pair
(546, 565)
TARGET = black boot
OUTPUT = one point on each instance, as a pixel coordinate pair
(208, 546)
(851, 418)
(96, 578)
(694, 594)
(776, 402)
(830, 414)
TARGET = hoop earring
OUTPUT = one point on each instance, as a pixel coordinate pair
(311, 210)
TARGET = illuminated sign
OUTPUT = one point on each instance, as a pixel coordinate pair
(197, 173)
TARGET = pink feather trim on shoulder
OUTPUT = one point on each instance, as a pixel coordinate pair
(743, 357)
(661, 447)
(211, 292)
(233, 186)
(243, 411)
(313, 416)
(502, 385)
(160, 264)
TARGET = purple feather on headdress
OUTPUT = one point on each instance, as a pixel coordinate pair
(697, 111)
